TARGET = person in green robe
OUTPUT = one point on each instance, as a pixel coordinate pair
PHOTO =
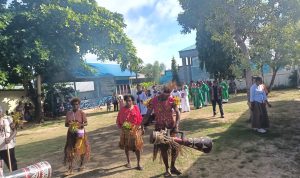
(206, 93)
(225, 92)
(200, 94)
(195, 96)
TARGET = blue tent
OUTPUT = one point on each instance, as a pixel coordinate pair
(102, 70)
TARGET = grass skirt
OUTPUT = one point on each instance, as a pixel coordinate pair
(76, 149)
(168, 146)
(131, 139)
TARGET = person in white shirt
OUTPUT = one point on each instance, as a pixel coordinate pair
(7, 141)
(258, 100)
(176, 93)
(185, 99)
(154, 92)
(140, 98)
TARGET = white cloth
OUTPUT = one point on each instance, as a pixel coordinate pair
(154, 93)
(257, 93)
(140, 102)
(185, 105)
(5, 132)
(205, 98)
(176, 94)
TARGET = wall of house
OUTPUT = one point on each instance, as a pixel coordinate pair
(9, 99)
(104, 86)
(281, 80)
(196, 72)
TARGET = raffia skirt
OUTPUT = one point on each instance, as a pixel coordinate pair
(131, 140)
(76, 148)
(171, 148)
(260, 117)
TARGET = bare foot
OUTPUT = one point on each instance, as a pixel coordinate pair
(81, 168)
(140, 168)
(167, 174)
(175, 171)
(68, 173)
(128, 165)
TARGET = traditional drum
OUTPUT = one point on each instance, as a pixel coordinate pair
(38, 170)
(163, 137)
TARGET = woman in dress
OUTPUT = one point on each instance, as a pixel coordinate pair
(185, 99)
(129, 121)
(77, 147)
(258, 99)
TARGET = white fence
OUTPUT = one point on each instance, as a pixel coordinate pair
(281, 79)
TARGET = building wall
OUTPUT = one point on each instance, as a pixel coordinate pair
(9, 99)
(196, 72)
(181, 73)
(281, 79)
(87, 94)
(107, 86)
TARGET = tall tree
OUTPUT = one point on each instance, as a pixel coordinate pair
(147, 71)
(233, 23)
(212, 54)
(136, 66)
(174, 68)
(157, 70)
(153, 71)
(275, 42)
(41, 37)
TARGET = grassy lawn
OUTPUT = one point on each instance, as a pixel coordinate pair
(238, 151)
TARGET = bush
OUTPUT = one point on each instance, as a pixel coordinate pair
(147, 85)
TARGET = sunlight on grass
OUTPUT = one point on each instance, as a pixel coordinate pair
(236, 146)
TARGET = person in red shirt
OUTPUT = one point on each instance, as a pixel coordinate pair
(129, 121)
(163, 106)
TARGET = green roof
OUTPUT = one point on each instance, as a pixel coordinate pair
(189, 48)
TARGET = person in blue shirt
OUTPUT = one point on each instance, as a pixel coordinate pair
(258, 100)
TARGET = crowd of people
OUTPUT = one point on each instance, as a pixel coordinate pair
(161, 107)
(158, 106)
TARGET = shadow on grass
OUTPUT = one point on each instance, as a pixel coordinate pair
(58, 120)
(101, 172)
(241, 141)
(105, 153)
(195, 125)
(238, 98)
(238, 136)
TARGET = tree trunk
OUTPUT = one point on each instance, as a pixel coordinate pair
(38, 107)
(248, 72)
(262, 73)
(274, 72)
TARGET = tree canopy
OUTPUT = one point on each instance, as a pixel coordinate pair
(237, 24)
(174, 69)
(212, 54)
(45, 37)
(153, 71)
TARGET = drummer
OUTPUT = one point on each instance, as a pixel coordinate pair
(163, 106)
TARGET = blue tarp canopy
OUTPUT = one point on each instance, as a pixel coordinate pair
(103, 70)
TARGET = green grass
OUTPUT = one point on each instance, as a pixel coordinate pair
(237, 151)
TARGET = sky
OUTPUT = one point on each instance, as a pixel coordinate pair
(152, 26)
